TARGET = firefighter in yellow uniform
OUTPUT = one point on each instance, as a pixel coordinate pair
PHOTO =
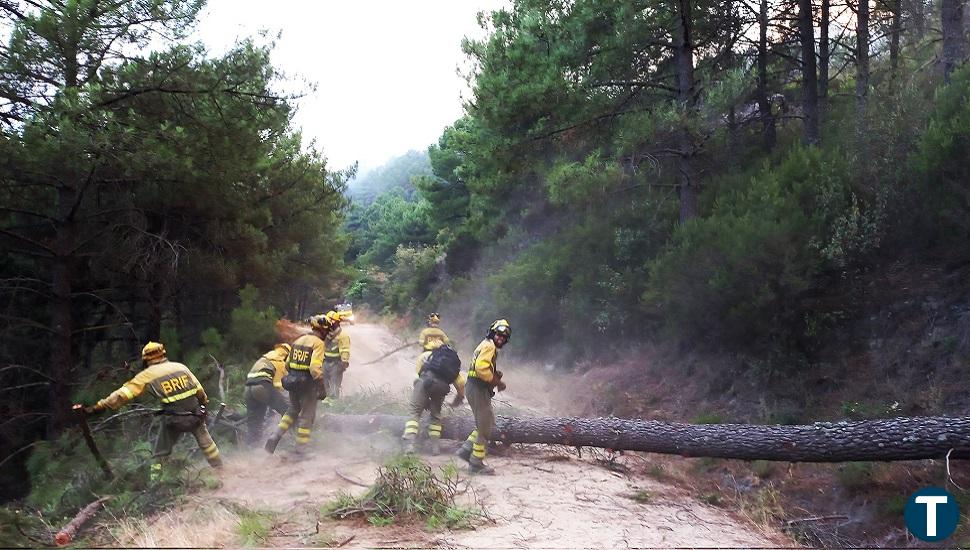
(183, 404)
(429, 392)
(304, 382)
(336, 357)
(432, 336)
(264, 390)
(483, 379)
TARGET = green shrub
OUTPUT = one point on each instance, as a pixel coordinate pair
(855, 477)
(251, 330)
(739, 275)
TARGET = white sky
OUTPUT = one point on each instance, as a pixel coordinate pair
(386, 71)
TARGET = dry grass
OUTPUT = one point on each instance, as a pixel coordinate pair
(195, 524)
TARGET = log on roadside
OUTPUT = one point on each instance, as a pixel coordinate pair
(907, 438)
(69, 531)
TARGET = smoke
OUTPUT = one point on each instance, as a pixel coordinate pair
(288, 331)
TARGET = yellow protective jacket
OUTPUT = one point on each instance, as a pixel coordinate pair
(458, 383)
(170, 382)
(338, 346)
(483, 363)
(432, 337)
(271, 366)
(307, 355)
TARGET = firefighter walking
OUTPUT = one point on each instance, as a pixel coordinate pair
(183, 404)
(304, 382)
(336, 357)
(482, 381)
(432, 336)
(437, 369)
(264, 391)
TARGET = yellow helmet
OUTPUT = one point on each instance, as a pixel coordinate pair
(284, 346)
(434, 319)
(500, 326)
(153, 352)
(333, 318)
(320, 322)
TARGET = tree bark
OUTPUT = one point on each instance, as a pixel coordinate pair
(62, 311)
(824, 54)
(951, 14)
(895, 29)
(684, 54)
(879, 440)
(764, 104)
(806, 35)
(862, 74)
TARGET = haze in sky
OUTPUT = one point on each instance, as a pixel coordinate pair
(386, 71)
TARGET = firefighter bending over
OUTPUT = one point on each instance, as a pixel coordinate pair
(264, 390)
(436, 370)
(304, 382)
(183, 404)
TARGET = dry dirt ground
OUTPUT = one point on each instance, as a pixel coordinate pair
(541, 498)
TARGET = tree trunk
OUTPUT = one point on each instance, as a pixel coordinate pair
(895, 29)
(806, 34)
(70, 531)
(880, 440)
(684, 54)
(953, 38)
(62, 312)
(824, 53)
(862, 75)
(764, 104)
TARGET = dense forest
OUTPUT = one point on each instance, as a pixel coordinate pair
(146, 192)
(718, 175)
(726, 177)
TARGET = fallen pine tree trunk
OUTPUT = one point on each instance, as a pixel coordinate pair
(67, 534)
(907, 438)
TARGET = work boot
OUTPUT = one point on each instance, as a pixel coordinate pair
(216, 462)
(271, 443)
(465, 451)
(478, 467)
(434, 446)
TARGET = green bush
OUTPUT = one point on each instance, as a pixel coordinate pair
(251, 330)
(739, 276)
(942, 158)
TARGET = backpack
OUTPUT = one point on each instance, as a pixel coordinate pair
(443, 363)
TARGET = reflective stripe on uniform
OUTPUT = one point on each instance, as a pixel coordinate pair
(478, 450)
(411, 427)
(285, 422)
(180, 396)
(260, 374)
(295, 366)
(211, 451)
(303, 435)
(128, 393)
(434, 430)
(473, 436)
(472, 373)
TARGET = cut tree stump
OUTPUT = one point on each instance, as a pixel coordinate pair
(908, 438)
(67, 534)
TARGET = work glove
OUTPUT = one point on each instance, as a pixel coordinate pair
(500, 386)
(344, 366)
(321, 391)
(498, 374)
(203, 413)
(457, 400)
(86, 409)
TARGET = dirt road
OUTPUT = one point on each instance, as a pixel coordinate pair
(542, 497)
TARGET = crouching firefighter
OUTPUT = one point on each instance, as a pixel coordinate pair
(438, 369)
(304, 382)
(183, 404)
(483, 379)
(336, 357)
(264, 390)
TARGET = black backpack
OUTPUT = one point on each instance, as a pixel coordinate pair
(443, 363)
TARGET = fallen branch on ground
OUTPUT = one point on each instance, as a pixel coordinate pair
(910, 438)
(67, 534)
